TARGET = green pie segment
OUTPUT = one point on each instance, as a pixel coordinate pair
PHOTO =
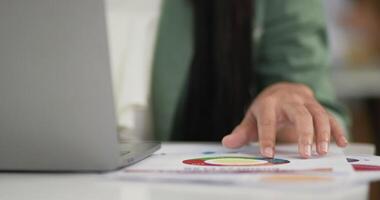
(235, 161)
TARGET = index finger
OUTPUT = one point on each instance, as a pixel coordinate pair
(266, 124)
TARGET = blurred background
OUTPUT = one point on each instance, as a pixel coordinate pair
(352, 28)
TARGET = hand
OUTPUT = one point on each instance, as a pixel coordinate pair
(287, 112)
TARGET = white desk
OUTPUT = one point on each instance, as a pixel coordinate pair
(29, 186)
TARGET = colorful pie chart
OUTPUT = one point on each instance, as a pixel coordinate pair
(235, 161)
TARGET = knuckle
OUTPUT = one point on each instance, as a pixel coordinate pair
(306, 117)
(269, 100)
(305, 141)
(321, 115)
(317, 110)
(305, 89)
(323, 133)
(323, 139)
(296, 99)
(303, 116)
(260, 105)
(267, 122)
(322, 128)
(307, 134)
(267, 142)
(339, 133)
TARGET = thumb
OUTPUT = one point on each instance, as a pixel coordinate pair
(244, 133)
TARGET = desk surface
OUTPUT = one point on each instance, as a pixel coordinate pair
(31, 186)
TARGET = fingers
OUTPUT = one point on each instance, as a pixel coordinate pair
(303, 122)
(322, 128)
(337, 132)
(266, 123)
(244, 133)
(282, 106)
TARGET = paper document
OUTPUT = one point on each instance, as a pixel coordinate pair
(367, 167)
(211, 163)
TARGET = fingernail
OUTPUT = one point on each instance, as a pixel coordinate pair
(344, 140)
(307, 150)
(268, 152)
(226, 137)
(323, 147)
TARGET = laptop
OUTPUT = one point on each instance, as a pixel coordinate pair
(56, 101)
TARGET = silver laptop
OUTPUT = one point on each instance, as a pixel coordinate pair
(56, 101)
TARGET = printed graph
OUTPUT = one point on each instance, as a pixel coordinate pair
(235, 161)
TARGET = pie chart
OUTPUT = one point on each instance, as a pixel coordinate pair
(235, 161)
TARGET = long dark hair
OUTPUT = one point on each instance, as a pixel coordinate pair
(221, 72)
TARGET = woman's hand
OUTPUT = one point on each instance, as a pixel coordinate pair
(287, 112)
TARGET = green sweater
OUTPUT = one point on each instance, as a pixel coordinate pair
(290, 45)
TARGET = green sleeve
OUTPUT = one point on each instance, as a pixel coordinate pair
(292, 47)
(173, 53)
